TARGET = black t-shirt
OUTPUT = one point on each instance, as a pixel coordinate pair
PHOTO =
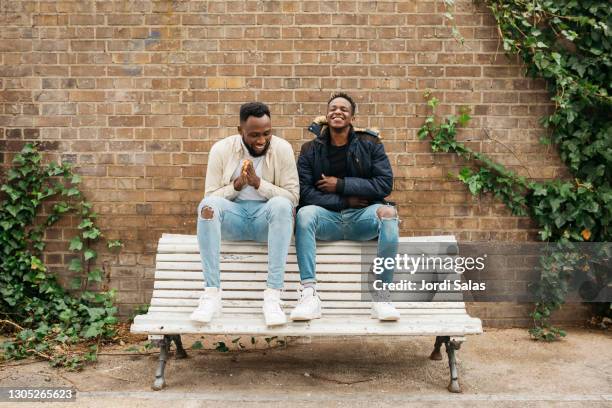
(337, 160)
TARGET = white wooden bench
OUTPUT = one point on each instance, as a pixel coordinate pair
(179, 284)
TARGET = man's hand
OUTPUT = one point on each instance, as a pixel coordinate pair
(239, 182)
(327, 184)
(249, 174)
(357, 202)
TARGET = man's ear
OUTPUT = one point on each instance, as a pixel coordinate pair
(240, 130)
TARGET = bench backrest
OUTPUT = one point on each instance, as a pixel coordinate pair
(179, 279)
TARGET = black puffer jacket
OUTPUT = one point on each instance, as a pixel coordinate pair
(369, 173)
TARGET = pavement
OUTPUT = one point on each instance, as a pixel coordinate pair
(500, 368)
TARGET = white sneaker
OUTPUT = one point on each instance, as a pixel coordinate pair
(384, 311)
(308, 306)
(273, 314)
(209, 306)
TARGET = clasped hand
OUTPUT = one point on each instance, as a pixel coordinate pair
(247, 176)
(328, 184)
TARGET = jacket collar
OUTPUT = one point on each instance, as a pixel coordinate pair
(323, 136)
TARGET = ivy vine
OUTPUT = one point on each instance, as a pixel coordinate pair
(43, 318)
(568, 44)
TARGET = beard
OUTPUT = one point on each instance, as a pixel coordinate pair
(253, 152)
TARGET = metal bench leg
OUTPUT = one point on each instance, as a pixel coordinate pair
(160, 381)
(451, 346)
(180, 351)
(435, 354)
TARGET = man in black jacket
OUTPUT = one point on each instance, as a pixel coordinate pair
(345, 176)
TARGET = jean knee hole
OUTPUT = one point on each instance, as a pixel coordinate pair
(382, 213)
(207, 213)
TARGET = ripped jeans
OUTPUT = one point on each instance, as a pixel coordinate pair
(263, 221)
(355, 224)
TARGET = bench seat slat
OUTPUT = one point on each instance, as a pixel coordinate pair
(356, 250)
(192, 239)
(254, 267)
(454, 325)
(291, 299)
(327, 311)
(356, 267)
(289, 276)
(293, 285)
(426, 245)
(325, 296)
(330, 295)
(248, 276)
(194, 302)
(193, 295)
(258, 257)
(247, 249)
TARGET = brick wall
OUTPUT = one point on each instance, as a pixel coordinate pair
(135, 93)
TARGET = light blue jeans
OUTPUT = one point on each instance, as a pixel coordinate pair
(262, 221)
(355, 224)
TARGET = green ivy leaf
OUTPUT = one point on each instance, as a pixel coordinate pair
(92, 233)
(37, 264)
(61, 207)
(95, 275)
(76, 244)
(75, 283)
(75, 265)
(92, 331)
(465, 173)
(12, 210)
(86, 223)
(539, 190)
(89, 254)
(72, 192)
(423, 132)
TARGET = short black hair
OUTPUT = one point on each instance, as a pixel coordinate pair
(256, 109)
(344, 96)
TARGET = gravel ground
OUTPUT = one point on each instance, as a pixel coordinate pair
(501, 368)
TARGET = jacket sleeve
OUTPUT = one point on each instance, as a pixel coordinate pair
(289, 185)
(379, 184)
(309, 195)
(213, 185)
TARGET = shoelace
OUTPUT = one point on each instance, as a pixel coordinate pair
(300, 293)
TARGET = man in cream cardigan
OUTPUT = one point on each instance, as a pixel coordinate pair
(252, 187)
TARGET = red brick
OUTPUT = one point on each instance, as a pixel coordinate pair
(87, 96)
(274, 70)
(87, 45)
(125, 19)
(200, 121)
(127, 121)
(312, 70)
(463, 71)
